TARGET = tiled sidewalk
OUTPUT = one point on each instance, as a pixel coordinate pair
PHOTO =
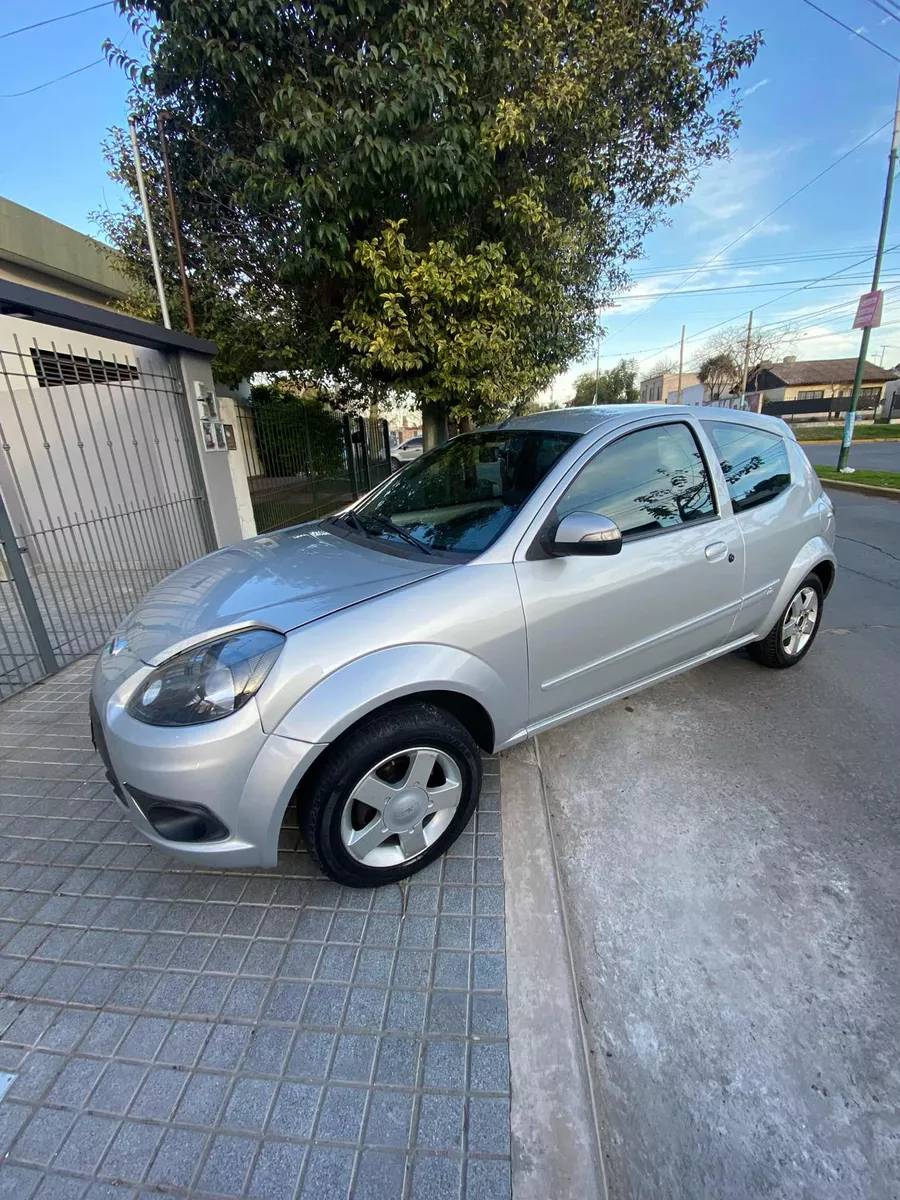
(184, 1032)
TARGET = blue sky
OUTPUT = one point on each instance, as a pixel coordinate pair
(814, 92)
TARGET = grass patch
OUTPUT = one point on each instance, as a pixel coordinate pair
(888, 479)
(834, 433)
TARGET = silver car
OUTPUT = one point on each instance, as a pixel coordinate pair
(509, 580)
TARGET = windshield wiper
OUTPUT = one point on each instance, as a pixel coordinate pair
(388, 525)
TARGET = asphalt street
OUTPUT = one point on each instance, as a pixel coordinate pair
(874, 456)
(728, 846)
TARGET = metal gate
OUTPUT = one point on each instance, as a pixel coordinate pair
(304, 462)
(100, 497)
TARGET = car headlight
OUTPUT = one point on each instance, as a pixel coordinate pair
(207, 682)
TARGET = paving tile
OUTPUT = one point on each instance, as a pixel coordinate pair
(328, 1173)
(261, 1034)
(177, 1158)
(227, 1165)
(277, 1171)
(379, 1175)
(436, 1178)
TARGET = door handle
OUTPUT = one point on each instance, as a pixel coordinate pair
(715, 550)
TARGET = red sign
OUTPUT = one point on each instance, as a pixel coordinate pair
(868, 312)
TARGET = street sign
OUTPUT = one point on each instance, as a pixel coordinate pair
(868, 311)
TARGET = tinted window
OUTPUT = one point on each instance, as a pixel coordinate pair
(462, 495)
(646, 481)
(755, 463)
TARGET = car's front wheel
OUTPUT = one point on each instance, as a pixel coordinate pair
(795, 630)
(391, 795)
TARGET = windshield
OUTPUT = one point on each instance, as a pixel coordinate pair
(462, 495)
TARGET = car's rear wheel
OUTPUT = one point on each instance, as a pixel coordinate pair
(391, 795)
(795, 630)
(396, 464)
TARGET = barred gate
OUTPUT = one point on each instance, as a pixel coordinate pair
(100, 496)
(304, 462)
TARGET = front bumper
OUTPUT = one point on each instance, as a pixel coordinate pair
(230, 768)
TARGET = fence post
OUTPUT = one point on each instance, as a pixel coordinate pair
(311, 466)
(29, 603)
(385, 433)
(348, 450)
(364, 452)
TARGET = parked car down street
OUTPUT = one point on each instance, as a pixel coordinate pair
(507, 581)
(406, 451)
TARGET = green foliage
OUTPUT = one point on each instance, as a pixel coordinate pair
(435, 194)
(618, 385)
(720, 374)
(295, 435)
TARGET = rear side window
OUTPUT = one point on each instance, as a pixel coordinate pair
(647, 481)
(754, 462)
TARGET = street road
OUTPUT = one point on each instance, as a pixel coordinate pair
(874, 456)
(729, 845)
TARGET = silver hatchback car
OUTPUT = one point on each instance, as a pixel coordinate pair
(509, 580)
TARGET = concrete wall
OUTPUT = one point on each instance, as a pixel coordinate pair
(238, 465)
(39, 252)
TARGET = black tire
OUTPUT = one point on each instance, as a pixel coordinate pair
(771, 651)
(321, 803)
(396, 464)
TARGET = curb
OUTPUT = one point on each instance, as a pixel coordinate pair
(865, 489)
(556, 1152)
(837, 441)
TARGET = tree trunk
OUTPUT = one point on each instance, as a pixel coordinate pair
(434, 425)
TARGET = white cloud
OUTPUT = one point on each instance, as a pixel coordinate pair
(750, 90)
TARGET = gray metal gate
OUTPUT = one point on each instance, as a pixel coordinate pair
(100, 495)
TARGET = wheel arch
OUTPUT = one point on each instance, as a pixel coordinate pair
(815, 557)
(452, 679)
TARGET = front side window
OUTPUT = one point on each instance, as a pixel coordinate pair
(754, 462)
(647, 481)
(460, 497)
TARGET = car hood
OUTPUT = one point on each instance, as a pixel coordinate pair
(281, 580)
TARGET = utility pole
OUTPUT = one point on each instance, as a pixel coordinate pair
(680, 364)
(881, 358)
(142, 192)
(879, 255)
(746, 362)
(597, 372)
(176, 232)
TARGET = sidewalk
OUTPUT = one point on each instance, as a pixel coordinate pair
(181, 1032)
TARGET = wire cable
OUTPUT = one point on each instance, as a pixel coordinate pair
(890, 11)
(862, 37)
(762, 220)
(38, 87)
(53, 20)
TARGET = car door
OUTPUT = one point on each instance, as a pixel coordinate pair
(597, 625)
(769, 511)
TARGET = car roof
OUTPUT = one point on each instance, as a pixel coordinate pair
(588, 417)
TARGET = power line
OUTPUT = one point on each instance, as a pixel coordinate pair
(40, 86)
(890, 11)
(761, 221)
(756, 307)
(53, 20)
(767, 261)
(855, 32)
(749, 287)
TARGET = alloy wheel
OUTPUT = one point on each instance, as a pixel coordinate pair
(800, 621)
(401, 806)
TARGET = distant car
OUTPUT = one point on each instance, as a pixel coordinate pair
(406, 452)
(509, 580)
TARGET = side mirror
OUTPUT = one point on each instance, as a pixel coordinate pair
(584, 533)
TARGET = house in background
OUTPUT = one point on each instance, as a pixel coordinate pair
(656, 389)
(816, 387)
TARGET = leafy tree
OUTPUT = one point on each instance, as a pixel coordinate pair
(718, 373)
(616, 386)
(433, 194)
(731, 344)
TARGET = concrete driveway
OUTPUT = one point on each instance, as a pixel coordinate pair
(873, 456)
(728, 847)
